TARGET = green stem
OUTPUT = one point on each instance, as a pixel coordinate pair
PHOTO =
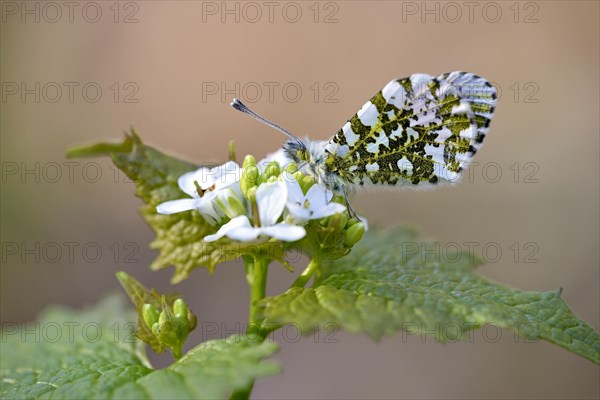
(258, 289)
(256, 275)
(308, 272)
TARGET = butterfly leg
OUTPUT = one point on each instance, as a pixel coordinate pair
(351, 211)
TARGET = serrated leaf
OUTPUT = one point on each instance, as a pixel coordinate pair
(178, 236)
(391, 282)
(95, 355)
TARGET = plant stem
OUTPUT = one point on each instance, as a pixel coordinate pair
(258, 289)
(256, 275)
(308, 272)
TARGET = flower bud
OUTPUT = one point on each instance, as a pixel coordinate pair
(150, 314)
(162, 318)
(351, 221)
(306, 183)
(291, 167)
(251, 195)
(155, 327)
(248, 160)
(339, 199)
(179, 307)
(272, 169)
(250, 174)
(353, 234)
(337, 221)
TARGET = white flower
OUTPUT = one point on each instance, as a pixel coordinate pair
(315, 205)
(270, 201)
(210, 180)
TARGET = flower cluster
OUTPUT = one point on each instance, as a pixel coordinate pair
(170, 325)
(164, 321)
(258, 201)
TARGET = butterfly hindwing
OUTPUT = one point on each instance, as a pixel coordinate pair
(415, 131)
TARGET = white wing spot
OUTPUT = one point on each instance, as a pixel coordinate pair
(419, 83)
(334, 148)
(404, 165)
(443, 135)
(436, 152)
(390, 90)
(373, 147)
(368, 114)
(394, 94)
(349, 134)
(412, 133)
(372, 167)
(462, 108)
(469, 133)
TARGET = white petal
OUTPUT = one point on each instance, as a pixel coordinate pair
(226, 175)
(299, 213)
(235, 223)
(294, 190)
(236, 189)
(270, 199)
(244, 234)
(208, 208)
(186, 182)
(318, 196)
(329, 209)
(175, 206)
(285, 232)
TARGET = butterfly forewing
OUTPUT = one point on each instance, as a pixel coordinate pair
(417, 131)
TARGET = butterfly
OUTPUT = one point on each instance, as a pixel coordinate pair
(417, 131)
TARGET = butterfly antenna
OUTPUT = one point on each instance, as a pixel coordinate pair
(238, 105)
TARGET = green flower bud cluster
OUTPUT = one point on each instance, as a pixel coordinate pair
(252, 177)
(170, 325)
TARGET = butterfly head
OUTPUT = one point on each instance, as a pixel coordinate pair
(297, 150)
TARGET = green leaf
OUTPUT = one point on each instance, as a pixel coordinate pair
(95, 355)
(178, 236)
(393, 281)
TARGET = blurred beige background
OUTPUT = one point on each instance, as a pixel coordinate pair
(170, 69)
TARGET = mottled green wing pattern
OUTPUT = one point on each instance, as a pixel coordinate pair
(416, 131)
